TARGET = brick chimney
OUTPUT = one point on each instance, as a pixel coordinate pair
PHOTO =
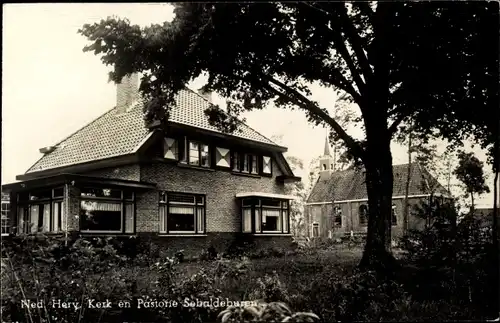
(127, 92)
(206, 95)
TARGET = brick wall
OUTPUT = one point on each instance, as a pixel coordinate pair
(220, 188)
(72, 206)
(193, 246)
(127, 172)
(323, 214)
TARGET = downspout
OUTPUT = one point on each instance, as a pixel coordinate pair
(66, 213)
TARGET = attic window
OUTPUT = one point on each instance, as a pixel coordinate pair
(245, 163)
(199, 154)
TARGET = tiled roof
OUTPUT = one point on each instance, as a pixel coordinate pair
(113, 134)
(350, 184)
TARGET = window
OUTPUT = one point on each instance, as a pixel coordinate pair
(253, 162)
(236, 161)
(41, 211)
(106, 210)
(315, 230)
(222, 157)
(266, 165)
(245, 163)
(337, 213)
(363, 215)
(266, 215)
(199, 154)
(394, 218)
(5, 217)
(182, 213)
(170, 149)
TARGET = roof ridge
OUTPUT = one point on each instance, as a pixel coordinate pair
(71, 135)
(243, 123)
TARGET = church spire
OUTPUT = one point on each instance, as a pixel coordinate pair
(326, 161)
(327, 146)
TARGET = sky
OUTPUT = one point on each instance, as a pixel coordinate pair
(51, 88)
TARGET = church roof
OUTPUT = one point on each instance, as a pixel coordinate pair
(350, 184)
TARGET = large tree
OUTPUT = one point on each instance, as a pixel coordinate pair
(428, 61)
(470, 172)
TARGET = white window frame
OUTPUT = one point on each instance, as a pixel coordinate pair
(314, 224)
(199, 226)
(7, 218)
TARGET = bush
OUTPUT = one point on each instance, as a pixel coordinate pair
(240, 246)
(456, 262)
(42, 269)
(270, 289)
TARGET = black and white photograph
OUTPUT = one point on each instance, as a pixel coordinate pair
(194, 162)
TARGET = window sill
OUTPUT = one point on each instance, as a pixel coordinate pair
(272, 234)
(182, 165)
(245, 174)
(177, 235)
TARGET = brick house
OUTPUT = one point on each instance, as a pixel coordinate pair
(338, 202)
(185, 185)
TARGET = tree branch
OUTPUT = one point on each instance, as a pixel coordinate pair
(355, 41)
(394, 126)
(297, 98)
(342, 83)
(356, 45)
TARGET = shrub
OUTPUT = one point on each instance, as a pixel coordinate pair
(270, 289)
(456, 262)
(43, 269)
(265, 312)
(241, 245)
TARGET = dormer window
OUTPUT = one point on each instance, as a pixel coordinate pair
(199, 154)
(245, 163)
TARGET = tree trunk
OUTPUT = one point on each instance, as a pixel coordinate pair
(407, 188)
(472, 204)
(379, 178)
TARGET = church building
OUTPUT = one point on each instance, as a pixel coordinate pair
(338, 203)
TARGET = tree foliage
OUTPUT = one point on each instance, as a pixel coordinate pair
(470, 172)
(430, 62)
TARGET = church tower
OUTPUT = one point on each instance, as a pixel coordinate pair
(326, 162)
